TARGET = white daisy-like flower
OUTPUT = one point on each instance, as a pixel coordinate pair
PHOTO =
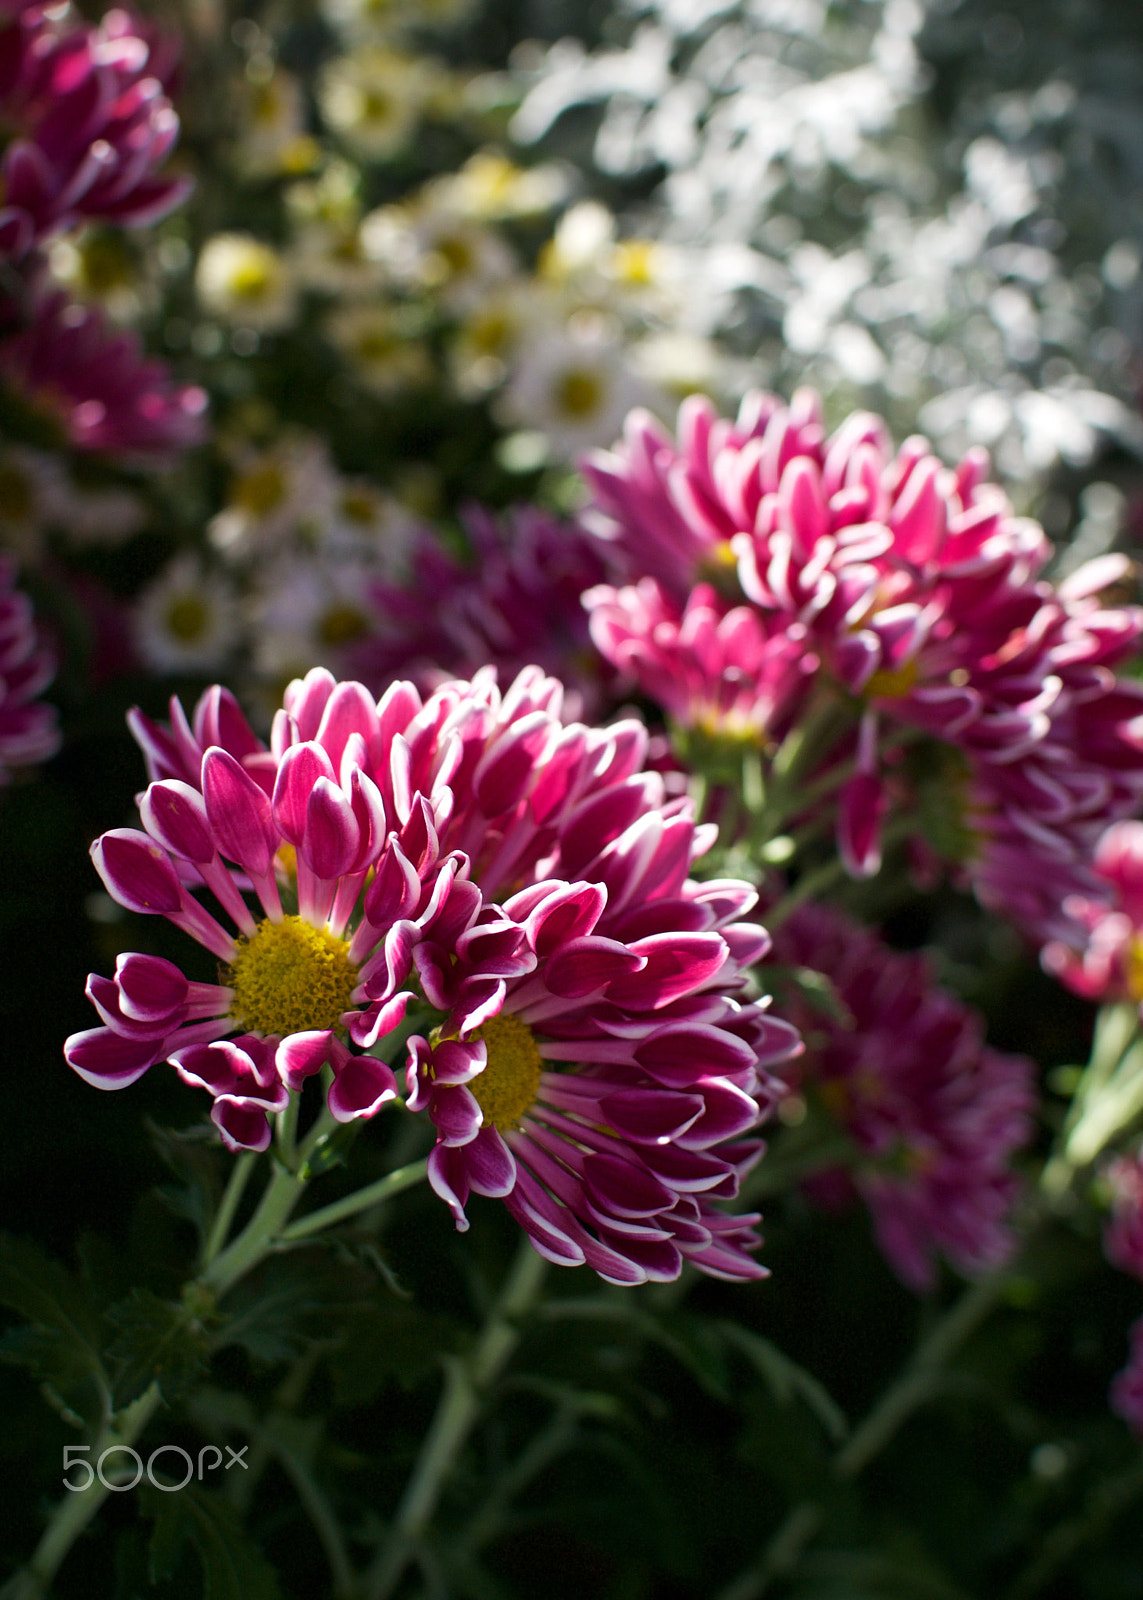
(375, 97)
(288, 491)
(490, 188)
(369, 524)
(484, 345)
(574, 384)
(187, 620)
(33, 485)
(383, 18)
(306, 612)
(246, 282)
(107, 517)
(428, 247)
(385, 351)
(274, 137)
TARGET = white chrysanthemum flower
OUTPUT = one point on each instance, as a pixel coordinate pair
(33, 485)
(383, 18)
(574, 385)
(371, 525)
(107, 517)
(490, 188)
(245, 281)
(332, 260)
(679, 364)
(187, 620)
(484, 346)
(375, 97)
(428, 247)
(306, 612)
(288, 491)
(386, 354)
(100, 266)
(274, 137)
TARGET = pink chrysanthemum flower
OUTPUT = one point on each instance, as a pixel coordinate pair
(514, 603)
(97, 384)
(588, 1053)
(919, 593)
(92, 126)
(28, 730)
(713, 667)
(936, 1113)
(1106, 961)
(1123, 1236)
(1127, 1387)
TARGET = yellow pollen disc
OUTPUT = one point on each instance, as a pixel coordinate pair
(578, 392)
(1134, 969)
(290, 977)
(892, 685)
(511, 1081)
(187, 618)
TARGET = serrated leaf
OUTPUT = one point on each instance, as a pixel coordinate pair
(61, 1342)
(158, 1341)
(233, 1568)
(331, 1150)
(786, 1379)
(193, 1155)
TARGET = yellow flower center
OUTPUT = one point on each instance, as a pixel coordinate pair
(511, 1080)
(290, 977)
(341, 625)
(578, 392)
(1134, 969)
(258, 491)
(893, 684)
(17, 498)
(187, 618)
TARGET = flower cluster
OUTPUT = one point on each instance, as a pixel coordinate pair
(516, 600)
(917, 592)
(935, 1113)
(1127, 1386)
(91, 126)
(1106, 961)
(588, 1052)
(28, 731)
(96, 383)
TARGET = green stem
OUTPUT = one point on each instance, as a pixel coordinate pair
(279, 1198)
(914, 1386)
(917, 1382)
(78, 1507)
(235, 1189)
(1105, 1502)
(466, 1383)
(373, 1194)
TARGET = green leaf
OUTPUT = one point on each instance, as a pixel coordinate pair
(193, 1155)
(233, 1568)
(158, 1340)
(61, 1345)
(786, 1379)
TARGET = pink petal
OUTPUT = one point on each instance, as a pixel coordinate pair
(108, 1061)
(239, 813)
(136, 872)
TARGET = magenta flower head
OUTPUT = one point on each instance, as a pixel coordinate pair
(1127, 1387)
(92, 126)
(936, 1114)
(28, 731)
(517, 601)
(916, 595)
(1123, 1236)
(587, 1050)
(97, 384)
(1106, 961)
